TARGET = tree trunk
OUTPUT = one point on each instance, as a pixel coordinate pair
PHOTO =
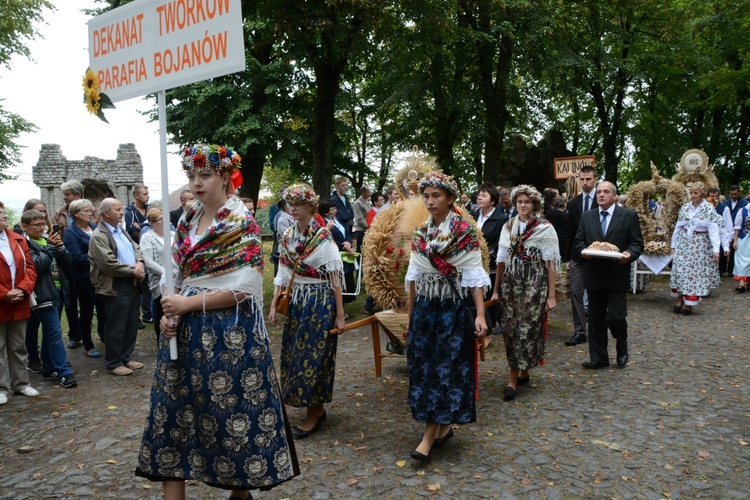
(495, 97)
(324, 127)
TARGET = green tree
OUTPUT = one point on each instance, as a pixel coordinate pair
(18, 25)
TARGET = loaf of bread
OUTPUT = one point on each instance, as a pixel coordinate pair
(603, 245)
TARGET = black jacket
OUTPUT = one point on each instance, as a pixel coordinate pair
(624, 231)
(44, 257)
(491, 232)
(575, 210)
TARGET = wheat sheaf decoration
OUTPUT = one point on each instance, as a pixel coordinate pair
(657, 228)
(387, 248)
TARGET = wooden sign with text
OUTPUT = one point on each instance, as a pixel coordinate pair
(571, 165)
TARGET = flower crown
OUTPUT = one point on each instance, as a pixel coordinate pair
(300, 194)
(438, 180)
(697, 184)
(204, 156)
(529, 191)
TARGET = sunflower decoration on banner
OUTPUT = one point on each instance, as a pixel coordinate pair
(94, 100)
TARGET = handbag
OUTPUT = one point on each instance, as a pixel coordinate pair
(470, 312)
(282, 303)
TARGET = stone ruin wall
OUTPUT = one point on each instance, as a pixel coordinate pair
(100, 178)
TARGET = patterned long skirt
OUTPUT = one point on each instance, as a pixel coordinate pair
(440, 358)
(216, 413)
(524, 292)
(693, 271)
(308, 352)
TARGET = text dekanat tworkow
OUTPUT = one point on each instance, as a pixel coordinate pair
(170, 17)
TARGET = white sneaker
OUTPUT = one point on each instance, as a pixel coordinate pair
(3, 398)
(29, 391)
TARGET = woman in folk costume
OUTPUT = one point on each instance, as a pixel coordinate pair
(696, 242)
(742, 249)
(527, 258)
(445, 260)
(310, 257)
(216, 413)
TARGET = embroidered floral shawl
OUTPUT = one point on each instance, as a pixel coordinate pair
(228, 256)
(538, 243)
(317, 256)
(449, 251)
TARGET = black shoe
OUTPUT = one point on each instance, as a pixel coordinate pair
(523, 381)
(420, 456)
(740, 289)
(591, 365)
(35, 366)
(677, 309)
(141, 326)
(302, 434)
(577, 338)
(73, 344)
(509, 394)
(50, 376)
(687, 311)
(622, 360)
(68, 382)
(441, 441)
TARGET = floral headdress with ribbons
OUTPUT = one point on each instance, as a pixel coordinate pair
(439, 180)
(529, 191)
(210, 156)
(300, 194)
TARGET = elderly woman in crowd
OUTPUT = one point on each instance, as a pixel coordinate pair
(152, 249)
(76, 240)
(310, 257)
(216, 413)
(17, 278)
(527, 259)
(445, 267)
(696, 242)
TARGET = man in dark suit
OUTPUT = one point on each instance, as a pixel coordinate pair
(174, 216)
(344, 209)
(505, 205)
(576, 207)
(607, 281)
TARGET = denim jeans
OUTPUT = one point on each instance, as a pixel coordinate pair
(32, 332)
(54, 357)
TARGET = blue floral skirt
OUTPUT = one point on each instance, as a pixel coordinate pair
(216, 413)
(441, 363)
(308, 352)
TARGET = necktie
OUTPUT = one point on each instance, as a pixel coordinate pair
(586, 203)
(604, 222)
